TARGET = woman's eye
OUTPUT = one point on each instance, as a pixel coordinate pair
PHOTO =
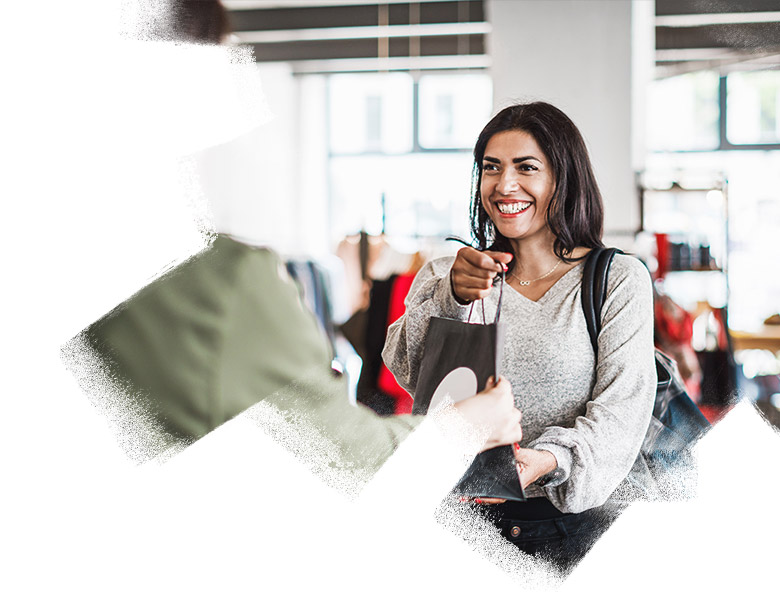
(489, 167)
(526, 167)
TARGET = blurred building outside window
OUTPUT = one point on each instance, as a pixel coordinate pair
(453, 109)
(753, 107)
(683, 112)
(400, 149)
(366, 113)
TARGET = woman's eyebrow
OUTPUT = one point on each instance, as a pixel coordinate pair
(525, 158)
(517, 160)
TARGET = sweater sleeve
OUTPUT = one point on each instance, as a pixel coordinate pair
(597, 453)
(430, 296)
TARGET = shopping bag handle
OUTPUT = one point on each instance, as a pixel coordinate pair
(501, 275)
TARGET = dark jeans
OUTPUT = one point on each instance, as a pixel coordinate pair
(537, 528)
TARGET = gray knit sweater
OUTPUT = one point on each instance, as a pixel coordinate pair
(592, 417)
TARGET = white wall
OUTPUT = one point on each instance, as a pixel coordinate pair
(248, 181)
(269, 186)
(578, 55)
(314, 218)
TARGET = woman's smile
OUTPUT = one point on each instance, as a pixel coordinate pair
(511, 208)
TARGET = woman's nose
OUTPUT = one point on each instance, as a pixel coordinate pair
(508, 183)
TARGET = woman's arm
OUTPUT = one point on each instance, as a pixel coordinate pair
(443, 288)
(597, 453)
(430, 296)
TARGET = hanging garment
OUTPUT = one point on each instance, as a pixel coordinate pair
(315, 292)
(374, 340)
(719, 369)
(673, 335)
(386, 382)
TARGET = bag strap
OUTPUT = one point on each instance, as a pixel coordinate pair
(498, 305)
(594, 289)
(502, 275)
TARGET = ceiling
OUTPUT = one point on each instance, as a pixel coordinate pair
(346, 35)
(355, 35)
(692, 35)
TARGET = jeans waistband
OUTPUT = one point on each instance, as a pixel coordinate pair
(533, 509)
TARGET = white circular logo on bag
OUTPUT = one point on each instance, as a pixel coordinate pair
(457, 385)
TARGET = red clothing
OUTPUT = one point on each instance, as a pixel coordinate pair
(385, 381)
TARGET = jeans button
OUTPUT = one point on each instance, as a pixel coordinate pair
(515, 531)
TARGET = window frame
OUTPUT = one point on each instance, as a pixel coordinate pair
(723, 142)
(416, 148)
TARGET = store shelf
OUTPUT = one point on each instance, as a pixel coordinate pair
(767, 338)
(701, 270)
(690, 224)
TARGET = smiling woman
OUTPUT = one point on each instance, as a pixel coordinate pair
(553, 171)
(537, 213)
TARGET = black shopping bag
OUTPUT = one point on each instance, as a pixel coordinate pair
(457, 360)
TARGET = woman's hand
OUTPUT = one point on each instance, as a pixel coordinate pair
(494, 409)
(473, 271)
(533, 464)
(530, 465)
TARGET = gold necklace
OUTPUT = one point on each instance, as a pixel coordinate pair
(530, 281)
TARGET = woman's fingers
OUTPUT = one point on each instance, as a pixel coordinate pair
(473, 272)
(521, 465)
(471, 293)
(472, 280)
(481, 500)
(502, 257)
(489, 500)
(483, 261)
(518, 451)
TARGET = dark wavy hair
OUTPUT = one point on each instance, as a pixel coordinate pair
(198, 21)
(575, 214)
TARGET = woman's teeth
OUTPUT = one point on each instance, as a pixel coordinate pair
(513, 208)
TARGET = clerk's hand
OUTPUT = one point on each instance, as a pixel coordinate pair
(472, 273)
(493, 409)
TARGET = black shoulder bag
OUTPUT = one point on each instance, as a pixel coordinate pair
(677, 423)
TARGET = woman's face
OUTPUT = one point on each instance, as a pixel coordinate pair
(517, 185)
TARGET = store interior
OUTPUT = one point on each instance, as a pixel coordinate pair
(380, 104)
(113, 129)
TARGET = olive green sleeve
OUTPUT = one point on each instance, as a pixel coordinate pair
(222, 332)
(274, 350)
